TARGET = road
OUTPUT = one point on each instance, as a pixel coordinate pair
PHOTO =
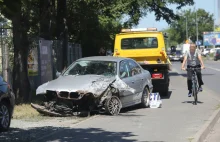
(177, 121)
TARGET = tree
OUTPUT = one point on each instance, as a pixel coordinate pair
(177, 29)
(19, 12)
(91, 22)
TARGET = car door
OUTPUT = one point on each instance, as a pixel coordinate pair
(218, 54)
(126, 94)
(138, 79)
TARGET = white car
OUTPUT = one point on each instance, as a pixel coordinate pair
(206, 51)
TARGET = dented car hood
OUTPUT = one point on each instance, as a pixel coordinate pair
(95, 84)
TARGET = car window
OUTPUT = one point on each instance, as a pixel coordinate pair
(134, 67)
(124, 70)
(83, 67)
(139, 43)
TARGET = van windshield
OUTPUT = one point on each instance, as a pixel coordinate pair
(139, 43)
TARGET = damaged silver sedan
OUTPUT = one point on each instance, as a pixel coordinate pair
(104, 84)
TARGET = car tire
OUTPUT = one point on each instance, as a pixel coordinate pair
(215, 59)
(5, 116)
(113, 105)
(145, 99)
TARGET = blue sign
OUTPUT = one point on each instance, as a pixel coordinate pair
(198, 43)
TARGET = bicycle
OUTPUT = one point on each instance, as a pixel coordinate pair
(195, 87)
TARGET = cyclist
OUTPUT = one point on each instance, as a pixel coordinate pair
(193, 58)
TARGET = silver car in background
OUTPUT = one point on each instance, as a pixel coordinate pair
(102, 83)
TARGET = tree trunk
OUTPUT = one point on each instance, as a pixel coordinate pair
(62, 29)
(21, 84)
(45, 17)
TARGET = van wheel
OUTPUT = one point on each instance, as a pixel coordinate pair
(145, 99)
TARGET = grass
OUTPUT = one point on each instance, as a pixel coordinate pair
(190, 139)
(209, 57)
(25, 111)
(218, 107)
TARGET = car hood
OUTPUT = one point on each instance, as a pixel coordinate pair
(95, 84)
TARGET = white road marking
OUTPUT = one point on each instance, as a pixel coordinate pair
(213, 68)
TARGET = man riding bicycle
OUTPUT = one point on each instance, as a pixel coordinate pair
(194, 59)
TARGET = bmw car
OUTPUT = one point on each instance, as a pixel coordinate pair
(102, 83)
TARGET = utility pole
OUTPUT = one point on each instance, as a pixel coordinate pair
(214, 22)
(197, 38)
(186, 29)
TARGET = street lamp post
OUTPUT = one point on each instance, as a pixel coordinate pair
(186, 29)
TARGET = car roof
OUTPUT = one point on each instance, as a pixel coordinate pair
(103, 58)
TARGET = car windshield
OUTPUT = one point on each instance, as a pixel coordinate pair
(139, 43)
(106, 68)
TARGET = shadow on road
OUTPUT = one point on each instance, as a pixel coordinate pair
(166, 97)
(192, 102)
(62, 134)
(129, 111)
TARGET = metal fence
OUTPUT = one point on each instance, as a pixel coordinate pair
(44, 59)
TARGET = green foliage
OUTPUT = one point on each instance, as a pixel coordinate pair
(177, 30)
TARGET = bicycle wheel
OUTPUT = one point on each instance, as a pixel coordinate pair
(194, 92)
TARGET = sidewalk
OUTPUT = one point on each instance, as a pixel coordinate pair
(214, 135)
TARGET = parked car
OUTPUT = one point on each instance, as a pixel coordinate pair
(7, 102)
(206, 51)
(103, 83)
(176, 56)
(217, 55)
(212, 50)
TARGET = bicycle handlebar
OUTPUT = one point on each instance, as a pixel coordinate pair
(192, 68)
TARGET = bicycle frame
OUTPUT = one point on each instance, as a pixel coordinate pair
(194, 83)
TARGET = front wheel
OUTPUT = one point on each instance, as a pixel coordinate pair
(113, 105)
(5, 117)
(194, 92)
(145, 99)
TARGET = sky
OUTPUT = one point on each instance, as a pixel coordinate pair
(149, 20)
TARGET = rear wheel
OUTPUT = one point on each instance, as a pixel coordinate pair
(145, 100)
(113, 105)
(5, 117)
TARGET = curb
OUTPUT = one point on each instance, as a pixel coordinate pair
(202, 134)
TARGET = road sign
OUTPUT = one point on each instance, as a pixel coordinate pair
(198, 42)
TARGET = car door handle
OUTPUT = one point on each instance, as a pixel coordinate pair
(132, 81)
(142, 79)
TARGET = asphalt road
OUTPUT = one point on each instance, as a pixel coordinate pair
(177, 121)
